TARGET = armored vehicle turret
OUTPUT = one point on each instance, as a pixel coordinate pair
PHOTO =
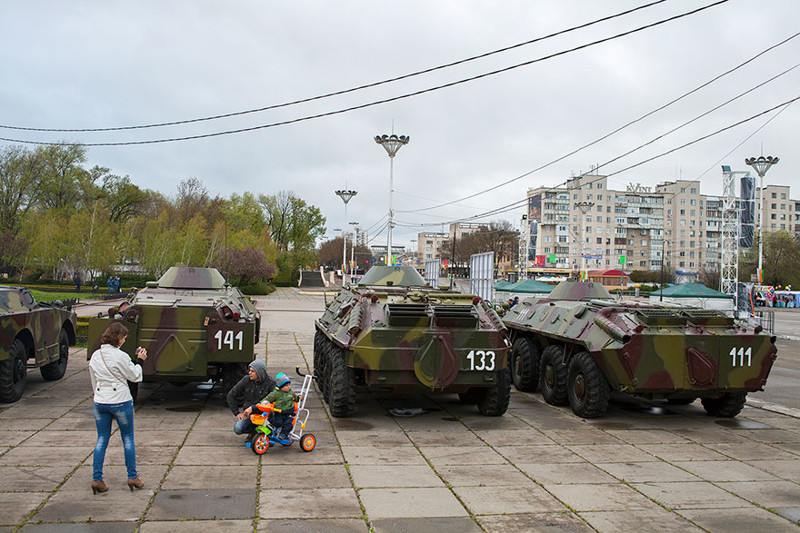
(579, 344)
(392, 332)
(194, 325)
(40, 333)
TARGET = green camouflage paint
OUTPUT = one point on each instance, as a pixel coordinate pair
(193, 324)
(653, 351)
(31, 331)
(392, 332)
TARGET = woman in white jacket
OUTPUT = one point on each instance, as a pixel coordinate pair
(110, 369)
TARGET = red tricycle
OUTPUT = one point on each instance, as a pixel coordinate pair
(265, 432)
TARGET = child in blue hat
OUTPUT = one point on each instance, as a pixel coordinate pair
(284, 399)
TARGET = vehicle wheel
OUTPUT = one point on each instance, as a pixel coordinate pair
(231, 374)
(525, 363)
(133, 386)
(553, 376)
(55, 370)
(327, 354)
(586, 387)
(259, 444)
(495, 399)
(680, 401)
(13, 372)
(472, 396)
(320, 344)
(308, 442)
(341, 385)
(728, 405)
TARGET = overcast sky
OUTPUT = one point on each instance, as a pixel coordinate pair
(106, 64)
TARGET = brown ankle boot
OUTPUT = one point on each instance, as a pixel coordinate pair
(99, 486)
(135, 484)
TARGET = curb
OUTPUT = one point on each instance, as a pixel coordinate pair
(774, 407)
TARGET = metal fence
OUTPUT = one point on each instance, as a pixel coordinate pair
(767, 320)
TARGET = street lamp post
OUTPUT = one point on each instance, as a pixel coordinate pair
(761, 164)
(391, 143)
(584, 208)
(345, 195)
(353, 243)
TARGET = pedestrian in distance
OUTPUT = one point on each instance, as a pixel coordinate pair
(110, 369)
(76, 278)
(247, 392)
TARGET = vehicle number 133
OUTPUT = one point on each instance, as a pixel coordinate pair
(481, 360)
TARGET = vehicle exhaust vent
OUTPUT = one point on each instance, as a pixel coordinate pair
(463, 316)
(407, 314)
(660, 316)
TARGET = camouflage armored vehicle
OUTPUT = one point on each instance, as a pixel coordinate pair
(30, 330)
(194, 325)
(393, 332)
(578, 345)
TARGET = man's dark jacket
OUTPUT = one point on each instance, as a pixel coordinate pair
(247, 393)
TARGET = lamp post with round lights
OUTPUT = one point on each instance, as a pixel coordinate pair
(761, 164)
(391, 143)
(345, 195)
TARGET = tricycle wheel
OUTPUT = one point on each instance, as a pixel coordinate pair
(260, 444)
(308, 442)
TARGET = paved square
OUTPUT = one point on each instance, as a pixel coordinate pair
(444, 469)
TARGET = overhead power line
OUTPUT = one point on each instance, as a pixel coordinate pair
(385, 100)
(607, 135)
(344, 91)
(520, 203)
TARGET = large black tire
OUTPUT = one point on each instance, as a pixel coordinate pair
(231, 374)
(525, 362)
(587, 388)
(320, 345)
(56, 370)
(728, 405)
(553, 376)
(341, 384)
(495, 399)
(14, 373)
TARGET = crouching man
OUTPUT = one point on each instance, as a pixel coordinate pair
(247, 393)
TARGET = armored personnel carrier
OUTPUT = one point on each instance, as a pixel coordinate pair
(31, 331)
(194, 325)
(579, 344)
(393, 332)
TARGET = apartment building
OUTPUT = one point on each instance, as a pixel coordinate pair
(428, 245)
(638, 228)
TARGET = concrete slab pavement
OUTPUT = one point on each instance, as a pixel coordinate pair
(538, 468)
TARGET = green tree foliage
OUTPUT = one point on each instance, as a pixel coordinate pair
(21, 173)
(65, 183)
(58, 216)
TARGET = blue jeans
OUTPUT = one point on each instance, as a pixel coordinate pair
(123, 414)
(244, 426)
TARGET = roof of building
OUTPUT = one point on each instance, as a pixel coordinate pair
(690, 290)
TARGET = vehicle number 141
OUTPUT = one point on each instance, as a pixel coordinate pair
(481, 360)
(228, 339)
